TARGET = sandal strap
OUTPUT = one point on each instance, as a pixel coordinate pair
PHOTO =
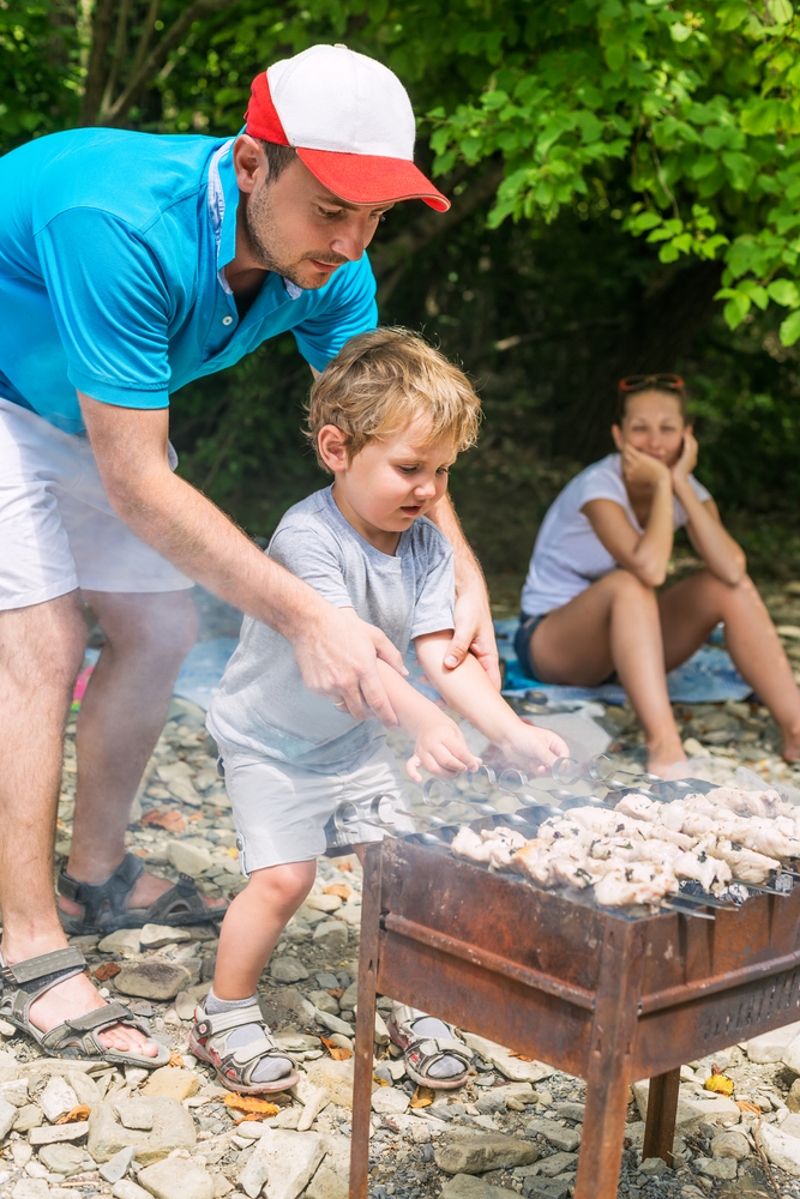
(84, 1029)
(25, 981)
(222, 1022)
(255, 1050)
(185, 895)
(431, 1047)
(102, 900)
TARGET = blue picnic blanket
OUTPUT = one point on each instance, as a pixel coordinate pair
(709, 676)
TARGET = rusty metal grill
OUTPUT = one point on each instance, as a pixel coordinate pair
(608, 996)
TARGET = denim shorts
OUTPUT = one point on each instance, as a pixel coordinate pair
(522, 643)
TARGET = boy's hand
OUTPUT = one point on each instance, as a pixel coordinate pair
(440, 749)
(533, 749)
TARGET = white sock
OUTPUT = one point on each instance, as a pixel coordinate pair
(271, 1068)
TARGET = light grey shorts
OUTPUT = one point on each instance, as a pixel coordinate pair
(58, 530)
(285, 813)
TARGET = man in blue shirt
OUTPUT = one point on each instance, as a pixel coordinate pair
(129, 266)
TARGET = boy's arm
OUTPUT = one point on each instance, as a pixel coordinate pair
(439, 745)
(469, 690)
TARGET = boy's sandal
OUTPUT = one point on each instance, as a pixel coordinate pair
(24, 982)
(105, 905)
(420, 1052)
(208, 1041)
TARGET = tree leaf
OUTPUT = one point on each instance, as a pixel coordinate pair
(790, 329)
(784, 292)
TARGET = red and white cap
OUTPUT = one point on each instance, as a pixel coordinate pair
(350, 120)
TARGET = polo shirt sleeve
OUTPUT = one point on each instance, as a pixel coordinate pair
(348, 308)
(111, 307)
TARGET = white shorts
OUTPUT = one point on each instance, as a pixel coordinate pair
(281, 811)
(58, 531)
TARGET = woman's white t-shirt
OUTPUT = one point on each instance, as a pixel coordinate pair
(569, 556)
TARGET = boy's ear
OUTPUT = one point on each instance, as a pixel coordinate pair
(332, 448)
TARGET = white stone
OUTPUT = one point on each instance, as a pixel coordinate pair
(791, 1055)
(125, 1189)
(52, 1134)
(770, 1046)
(693, 1108)
(177, 1178)
(117, 1167)
(8, 1115)
(31, 1188)
(314, 1100)
(153, 936)
(189, 859)
(389, 1101)
(512, 1067)
(323, 903)
(124, 941)
(731, 1143)
(782, 1150)
(332, 934)
(721, 1168)
(334, 1023)
(285, 1161)
(57, 1098)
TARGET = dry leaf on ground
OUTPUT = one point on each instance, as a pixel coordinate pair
(106, 971)
(76, 1115)
(173, 822)
(256, 1108)
(339, 889)
(719, 1084)
(422, 1097)
(744, 1105)
(337, 1052)
(521, 1057)
(175, 1059)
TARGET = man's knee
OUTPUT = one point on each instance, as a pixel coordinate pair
(162, 626)
(43, 644)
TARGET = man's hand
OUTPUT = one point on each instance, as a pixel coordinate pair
(474, 631)
(339, 659)
(441, 749)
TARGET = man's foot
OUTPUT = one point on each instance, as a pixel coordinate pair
(76, 996)
(147, 889)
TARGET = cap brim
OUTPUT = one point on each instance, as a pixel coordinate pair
(371, 179)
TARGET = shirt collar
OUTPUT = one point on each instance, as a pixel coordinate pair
(223, 201)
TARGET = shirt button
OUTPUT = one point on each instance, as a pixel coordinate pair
(227, 320)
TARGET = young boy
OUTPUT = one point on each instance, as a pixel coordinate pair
(387, 418)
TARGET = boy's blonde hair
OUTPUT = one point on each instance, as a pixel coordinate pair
(380, 382)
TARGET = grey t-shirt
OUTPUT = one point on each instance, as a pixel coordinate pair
(263, 705)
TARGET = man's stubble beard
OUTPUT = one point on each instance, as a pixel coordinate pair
(264, 241)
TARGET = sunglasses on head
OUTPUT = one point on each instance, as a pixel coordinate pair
(642, 382)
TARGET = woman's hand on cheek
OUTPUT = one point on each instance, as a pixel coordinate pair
(688, 459)
(640, 468)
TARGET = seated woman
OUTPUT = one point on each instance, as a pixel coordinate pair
(590, 605)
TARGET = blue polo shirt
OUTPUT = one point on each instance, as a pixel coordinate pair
(111, 252)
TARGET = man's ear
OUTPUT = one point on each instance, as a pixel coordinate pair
(616, 433)
(332, 448)
(250, 162)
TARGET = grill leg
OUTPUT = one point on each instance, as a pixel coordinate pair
(609, 1070)
(662, 1107)
(365, 1023)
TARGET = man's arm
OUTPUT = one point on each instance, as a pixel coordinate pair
(474, 631)
(336, 656)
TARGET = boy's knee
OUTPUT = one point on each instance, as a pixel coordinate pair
(285, 887)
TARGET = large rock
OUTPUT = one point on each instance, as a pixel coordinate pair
(563, 1138)
(730, 1143)
(125, 1189)
(153, 936)
(177, 1178)
(483, 1151)
(153, 980)
(389, 1101)
(124, 940)
(791, 1055)
(15, 1092)
(283, 1162)
(771, 1045)
(693, 1108)
(173, 1128)
(467, 1186)
(511, 1067)
(782, 1150)
(331, 934)
(335, 1077)
(64, 1159)
(327, 1184)
(287, 970)
(723, 1169)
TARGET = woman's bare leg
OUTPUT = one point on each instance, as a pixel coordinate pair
(614, 624)
(689, 611)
